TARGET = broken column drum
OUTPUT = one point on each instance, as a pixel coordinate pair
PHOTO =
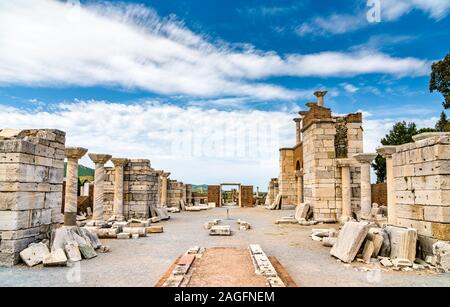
(73, 154)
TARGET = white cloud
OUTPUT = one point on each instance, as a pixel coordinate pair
(394, 9)
(391, 10)
(349, 88)
(196, 145)
(46, 43)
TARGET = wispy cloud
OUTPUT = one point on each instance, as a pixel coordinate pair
(46, 43)
(182, 140)
(391, 10)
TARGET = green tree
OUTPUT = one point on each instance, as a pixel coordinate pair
(401, 133)
(440, 79)
(443, 125)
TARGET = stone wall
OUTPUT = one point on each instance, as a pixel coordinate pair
(176, 191)
(31, 179)
(422, 186)
(319, 166)
(379, 193)
(286, 181)
(214, 194)
(140, 189)
(246, 196)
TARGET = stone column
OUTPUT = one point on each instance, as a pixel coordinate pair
(346, 215)
(119, 163)
(298, 130)
(320, 97)
(164, 178)
(366, 186)
(299, 175)
(73, 154)
(99, 189)
(387, 152)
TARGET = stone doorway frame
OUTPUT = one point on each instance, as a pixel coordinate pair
(230, 184)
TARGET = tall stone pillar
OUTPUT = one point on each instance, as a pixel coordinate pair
(298, 130)
(119, 163)
(73, 154)
(320, 97)
(99, 187)
(299, 175)
(164, 180)
(366, 187)
(387, 152)
(346, 215)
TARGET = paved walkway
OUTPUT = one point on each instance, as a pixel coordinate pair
(142, 262)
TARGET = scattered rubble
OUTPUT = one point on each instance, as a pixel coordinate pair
(350, 239)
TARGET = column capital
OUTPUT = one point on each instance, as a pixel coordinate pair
(119, 161)
(74, 152)
(165, 174)
(345, 162)
(387, 151)
(99, 158)
(365, 157)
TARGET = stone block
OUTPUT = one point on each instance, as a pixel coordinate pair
(350, 239)
(220, 230)
(141, 231)
(437, 214)
(123, 235)
(72, 251)
(55, 258)
(403, 242)
(441, 251)
(87, 251)
(368, 251)
(17, 201)
(301, 211)
(34, 254)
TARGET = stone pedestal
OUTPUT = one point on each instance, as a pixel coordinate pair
(99, 189)
(73, 154)
(387, 152)
(119, 164)
(366, 188)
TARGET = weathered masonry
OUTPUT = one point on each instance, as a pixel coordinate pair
(131, 188)
(31, 180)
(418, 176)
(326, 168)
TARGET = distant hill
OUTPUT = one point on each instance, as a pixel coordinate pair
(84, 172)
(201, 188)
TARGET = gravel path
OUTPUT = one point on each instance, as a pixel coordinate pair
(142, 262)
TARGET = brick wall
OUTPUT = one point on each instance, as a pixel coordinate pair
(214, 194)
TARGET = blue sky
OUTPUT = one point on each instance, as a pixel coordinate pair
(256, 61)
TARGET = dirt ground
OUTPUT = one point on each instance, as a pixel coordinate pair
(225, 267)
(144, 261)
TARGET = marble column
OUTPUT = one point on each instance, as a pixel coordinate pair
(387, 152)
(346, 215)
(119, 164)
(320, 97)
(73, 154)
(164, 178)
(365, 160)
(99, 186)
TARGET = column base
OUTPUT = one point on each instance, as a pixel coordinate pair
(70, 219)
